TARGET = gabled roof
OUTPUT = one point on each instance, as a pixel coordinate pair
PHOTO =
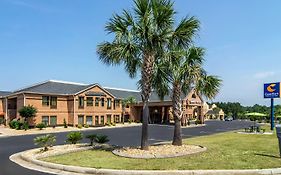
(54, 87)
(4, 93)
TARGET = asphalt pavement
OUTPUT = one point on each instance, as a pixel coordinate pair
(127, 136)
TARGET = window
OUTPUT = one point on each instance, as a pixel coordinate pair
(89, 120)
(108, 118)
(108, 103)
(116, 104)
(102, 101)
(81, 102)
(80, 119)
(96, 120)
(117, 118)
(45, 120)
(97, 101)
(45, 100)
(53, 120)
(89, 101)
(102, 120)
(53, 102)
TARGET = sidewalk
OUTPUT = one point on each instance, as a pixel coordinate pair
(7, 132)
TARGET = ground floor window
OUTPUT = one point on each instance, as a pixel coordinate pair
(117, 119)
(2, 119)
(108, 118)
(96, 120)
(45, 120)
(80, 119)
(102, 120)
(53, 120)
(89, 120)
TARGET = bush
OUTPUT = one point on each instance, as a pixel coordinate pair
(130, 121)
(101, 139)
(91, 137)
(19, 125)
(74, 137)
(13, 124)
(197, 122)
(108, 124)
(86, 126)
(45, 141)
(64, 123)
(113, 124)
(25, 125)
(79, 126)
(40, 126)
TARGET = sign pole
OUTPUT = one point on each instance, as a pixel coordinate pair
(272, 115)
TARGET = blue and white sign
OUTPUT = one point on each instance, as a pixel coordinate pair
(271, 90)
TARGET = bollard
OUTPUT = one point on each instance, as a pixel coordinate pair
(278, 133)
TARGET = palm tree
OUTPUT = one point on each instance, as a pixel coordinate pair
(127, 101)
(183, 71)
(140, 38)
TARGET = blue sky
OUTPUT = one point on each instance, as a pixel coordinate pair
(51, 39)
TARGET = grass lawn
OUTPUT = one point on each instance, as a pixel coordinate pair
(225, 151)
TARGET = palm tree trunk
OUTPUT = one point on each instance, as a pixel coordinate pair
(177, 112)
(147, 72)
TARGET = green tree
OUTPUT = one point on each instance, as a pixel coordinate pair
(184, 72)
(127, 102)
(140, 39)
(27, 111)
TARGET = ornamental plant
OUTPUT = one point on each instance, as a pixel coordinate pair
(45, 141)
(74, 137)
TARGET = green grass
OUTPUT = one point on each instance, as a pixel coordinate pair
(225, 151)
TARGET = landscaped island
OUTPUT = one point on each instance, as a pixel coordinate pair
(224, 151)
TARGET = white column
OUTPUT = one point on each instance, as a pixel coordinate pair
(6, 111)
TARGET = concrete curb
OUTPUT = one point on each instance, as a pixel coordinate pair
(62, 131)
(67, 169)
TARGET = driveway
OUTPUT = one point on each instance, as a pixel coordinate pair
(129, 136)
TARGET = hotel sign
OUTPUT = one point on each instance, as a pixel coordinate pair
(271, 90)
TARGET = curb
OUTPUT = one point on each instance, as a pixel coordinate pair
(66, 169)
(81, 130)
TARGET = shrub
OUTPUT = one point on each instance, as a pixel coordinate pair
(197, 122)
(130, 121)
(113, 124)
(91, 137)
(79, 126)
(64, 123)
(19, 125)
(108, 124)
(13, 124)
(40, 126)
(1, 121)
(188, 122)
(45, 141)
(74, 137)
(101, 139)
(25, 125)
(86, 126)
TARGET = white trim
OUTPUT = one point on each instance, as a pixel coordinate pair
(6, 110)
(55, 81)
(90, 87)
(120, 89)
(68, 82)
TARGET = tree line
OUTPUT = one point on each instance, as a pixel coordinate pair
(238, 111)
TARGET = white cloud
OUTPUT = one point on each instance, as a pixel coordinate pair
(262, 75)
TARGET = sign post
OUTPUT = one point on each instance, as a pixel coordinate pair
(272, 90)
